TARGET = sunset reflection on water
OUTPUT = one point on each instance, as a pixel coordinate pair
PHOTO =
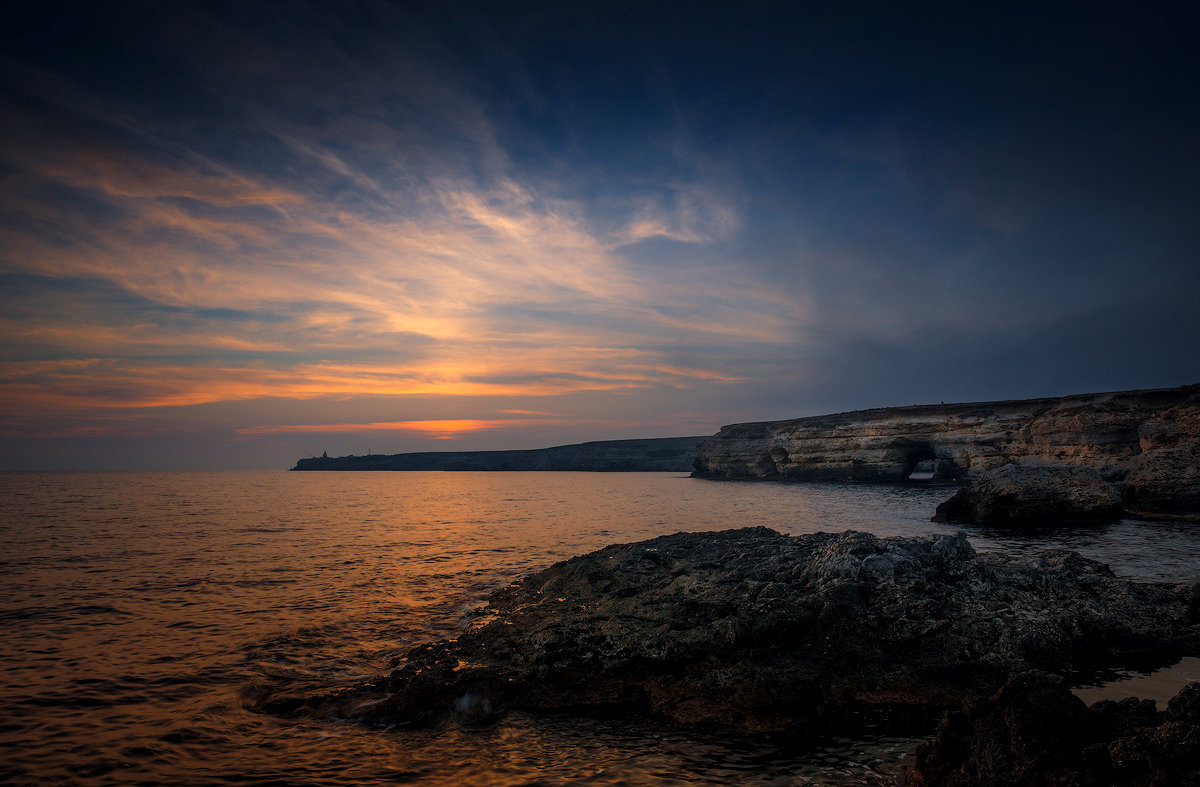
(144, 612)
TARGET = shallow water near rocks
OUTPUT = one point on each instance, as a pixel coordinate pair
(144, 612)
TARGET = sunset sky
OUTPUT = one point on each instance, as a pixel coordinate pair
(236, 234)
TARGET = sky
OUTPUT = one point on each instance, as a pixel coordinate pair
(237, 234)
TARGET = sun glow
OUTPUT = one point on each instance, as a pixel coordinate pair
(447, 429)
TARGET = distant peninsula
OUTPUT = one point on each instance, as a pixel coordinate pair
(663, 454)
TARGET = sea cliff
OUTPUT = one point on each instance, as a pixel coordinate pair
(1146, 441)
(667, 454)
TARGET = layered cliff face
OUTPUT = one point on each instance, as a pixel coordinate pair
(1108, 432)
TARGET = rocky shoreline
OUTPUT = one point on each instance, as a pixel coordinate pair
(755, 631)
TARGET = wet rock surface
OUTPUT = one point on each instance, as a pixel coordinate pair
(1035, 731)
(1016, 495)
(757, 631)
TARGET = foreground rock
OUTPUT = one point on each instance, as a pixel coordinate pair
(754, 630)
(1017, 495)
(1035, 731)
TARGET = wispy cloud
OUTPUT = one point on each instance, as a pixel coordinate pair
(467, 286)
(395, 215)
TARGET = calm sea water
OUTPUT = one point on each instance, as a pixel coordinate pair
(142, 613)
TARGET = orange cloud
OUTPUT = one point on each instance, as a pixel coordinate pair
(438, 429)
(480, 370)
(120, 175)
(450, 288)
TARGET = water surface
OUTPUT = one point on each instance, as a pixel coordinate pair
(143, 612)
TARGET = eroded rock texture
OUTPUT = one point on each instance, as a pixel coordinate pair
(1108, 432)
(754, 630)
(1164, 481)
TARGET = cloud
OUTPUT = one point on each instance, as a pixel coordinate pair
(467, 286)
(463, 217)
(688, 214)
(447, 429)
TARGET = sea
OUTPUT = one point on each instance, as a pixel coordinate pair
(143, 614)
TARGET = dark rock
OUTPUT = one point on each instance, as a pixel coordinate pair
(1028, 733)
(1035, 731)
(1034, 495)
(1164, 481)
(754, 630)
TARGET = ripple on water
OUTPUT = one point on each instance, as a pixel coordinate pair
(142, 672)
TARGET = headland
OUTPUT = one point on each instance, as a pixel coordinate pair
(664, 454)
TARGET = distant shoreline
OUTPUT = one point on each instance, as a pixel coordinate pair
(662, 454)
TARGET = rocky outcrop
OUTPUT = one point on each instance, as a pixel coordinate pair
(754, 630)
(1107, 432)
(1035, 731)
(665, 454)
(1016, 495)
(1164, 481)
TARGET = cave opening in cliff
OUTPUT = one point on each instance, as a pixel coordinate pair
(920, 462)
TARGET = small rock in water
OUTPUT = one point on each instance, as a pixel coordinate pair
(473, 708)
(1030, 495)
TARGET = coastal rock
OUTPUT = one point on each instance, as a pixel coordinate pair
(1035, 731)
(1164, 481)
(754, 630)
(1016, 495)
(1106, 432)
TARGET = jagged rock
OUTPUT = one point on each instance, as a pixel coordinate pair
(1106, 432)
(1164, 481)
(1017, 495)
(1034, 731)
(754, 630)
